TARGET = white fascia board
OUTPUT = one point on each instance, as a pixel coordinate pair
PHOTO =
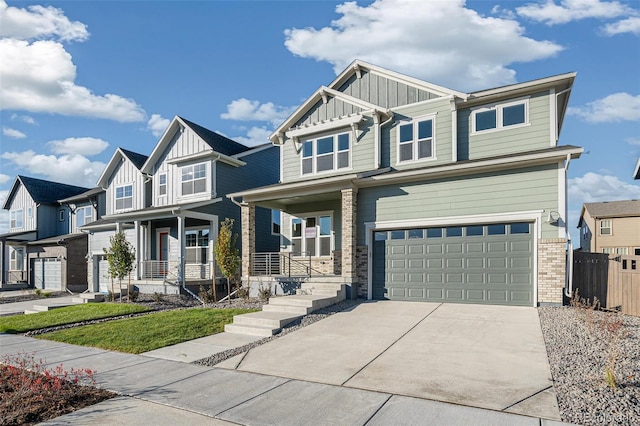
(472, 167)
(405, 79)
(170, 210)
(325, 126)
(567, 78)
(288, 189)
(147, 167)
(110, 167)
(207, 154)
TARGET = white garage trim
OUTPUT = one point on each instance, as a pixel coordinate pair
(534, 216)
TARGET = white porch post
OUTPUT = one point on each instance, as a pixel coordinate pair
(181, 248)
(136, 224)
(213, 237)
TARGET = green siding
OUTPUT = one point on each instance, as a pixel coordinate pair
(508, 191)
(323, 111)
(534, 136)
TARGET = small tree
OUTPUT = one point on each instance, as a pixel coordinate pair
(121, 258)
(227, 254)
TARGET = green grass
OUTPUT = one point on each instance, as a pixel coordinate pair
(149, 332)
(66, 315)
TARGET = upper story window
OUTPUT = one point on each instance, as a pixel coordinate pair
(327, 153)
(61, 215)
(500, 116)
(162, 184)
(415, 140)
(16, 219)
(194, 179)
(84, 215)
(29, 212)
(605, 227)
(124, 197)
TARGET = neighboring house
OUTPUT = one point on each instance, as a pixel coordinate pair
(170, 205)
(611, 227)
(411, 191)
(636, 172)
(41, 247)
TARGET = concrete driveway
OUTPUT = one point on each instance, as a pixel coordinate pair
(476, 355)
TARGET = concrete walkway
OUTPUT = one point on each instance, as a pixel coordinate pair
(17, 308)
(160, 392)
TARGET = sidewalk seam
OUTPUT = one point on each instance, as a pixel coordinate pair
(528, 397)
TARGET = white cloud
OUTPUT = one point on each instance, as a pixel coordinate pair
(25, 118)
(594, 187)
(573, 10)
(158, 124)
(39, 21)
(4, 179)
(629, 25)
(13, 133)
(443, 42)
(81, 146)
(247, 110)
(255, 136)
(633, 141)
(39, 77)
(613, 108)
(68, 168)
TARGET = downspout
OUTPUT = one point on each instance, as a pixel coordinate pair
(568, 289)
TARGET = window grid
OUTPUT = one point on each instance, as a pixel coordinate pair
(605, 227)
(501, 116)
(124, 197)
(16, 219)
(194, 179)
(415, 140)
(162, 184)
(326, 154)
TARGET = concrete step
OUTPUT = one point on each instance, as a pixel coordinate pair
(328, 279)
(323, 292)
(322, 285)
(267, 319)
(299, 310)
(45, 308)
(251, 330)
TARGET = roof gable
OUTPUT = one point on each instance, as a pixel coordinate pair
(121, 154)
(43, 191)
(218, 143)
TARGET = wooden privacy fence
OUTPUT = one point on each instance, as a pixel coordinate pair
(615, 281)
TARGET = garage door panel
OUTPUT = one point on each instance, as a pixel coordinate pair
(492, 266)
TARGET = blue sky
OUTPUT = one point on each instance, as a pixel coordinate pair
(78, 79)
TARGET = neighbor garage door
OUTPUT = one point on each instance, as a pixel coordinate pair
(490, 264)
(47, 273)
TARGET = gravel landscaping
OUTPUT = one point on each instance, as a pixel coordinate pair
(580, 345)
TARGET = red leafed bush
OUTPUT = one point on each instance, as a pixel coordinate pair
(31, 393)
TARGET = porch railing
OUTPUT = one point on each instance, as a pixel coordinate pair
(157, 269)
(16, 276)
(281, 264)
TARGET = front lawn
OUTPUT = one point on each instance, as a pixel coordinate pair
(67, 315)
(149, 332)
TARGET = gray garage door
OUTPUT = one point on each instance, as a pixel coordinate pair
(47, 273)
(490, 264)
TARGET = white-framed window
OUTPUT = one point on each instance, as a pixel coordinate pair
(29, 212)
(194, 178)
(16, 259)
(16, 219)
(162, 184)
(608, 250)
(500, 116)
(84, 215)
(605, 227)
(124, 197)
(275, 222)
(636, 251)
(326, 153)
(416, 140)
(197, 246)
(622, 250)
(312, 235)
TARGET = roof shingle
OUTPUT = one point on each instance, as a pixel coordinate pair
(614, 208)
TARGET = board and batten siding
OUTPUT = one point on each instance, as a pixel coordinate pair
(184, 143)
(382, 91)
(49, 223)
(333, 108)
(100, 240)
(22, 201)
(520, 190)
(126, 173)
(535, 135)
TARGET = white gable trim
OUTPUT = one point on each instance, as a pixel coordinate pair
(116, 158)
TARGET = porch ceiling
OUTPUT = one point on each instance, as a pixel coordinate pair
(284, 203)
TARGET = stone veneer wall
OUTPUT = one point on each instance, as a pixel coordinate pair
(551, 270)
(362, 270)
